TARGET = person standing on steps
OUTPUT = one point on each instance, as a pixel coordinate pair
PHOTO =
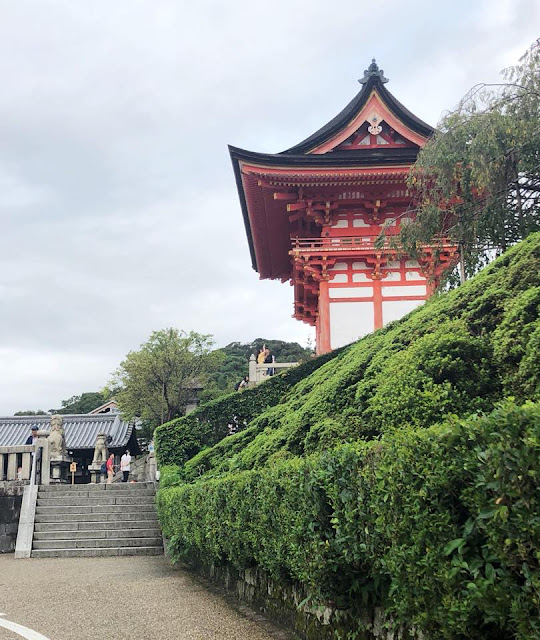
(110, 468)
(125, 463)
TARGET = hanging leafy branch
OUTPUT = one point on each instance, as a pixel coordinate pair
(477, 180)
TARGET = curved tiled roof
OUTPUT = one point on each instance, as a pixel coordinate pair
(354, 106)
(80, 430)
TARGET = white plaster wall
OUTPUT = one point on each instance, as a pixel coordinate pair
(396, 309)
(414, 275)
(339, 266)
(419, 290)
(359, 222)
(392, 276)
(349, 321)
(350, 292)
(339, 278)
(360, 277)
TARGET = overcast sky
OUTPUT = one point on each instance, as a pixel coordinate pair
(118, 205)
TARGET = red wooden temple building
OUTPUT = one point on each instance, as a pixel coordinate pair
(313, 212)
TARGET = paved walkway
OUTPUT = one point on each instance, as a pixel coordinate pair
(123, 598)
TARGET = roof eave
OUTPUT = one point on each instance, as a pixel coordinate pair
(332, 127)
(236, 154)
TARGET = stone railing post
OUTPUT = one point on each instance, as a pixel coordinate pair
(12, 466)
(43, 444)
(151, 467)
(252, 371)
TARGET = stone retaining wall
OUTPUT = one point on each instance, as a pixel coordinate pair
(289, 605)
(11, 494)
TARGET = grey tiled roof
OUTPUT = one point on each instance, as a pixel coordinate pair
(80, 430)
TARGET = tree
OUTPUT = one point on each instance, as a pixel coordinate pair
(236, 363)
(39, 412)
(477, 180)
(84, 403)
(157, 382)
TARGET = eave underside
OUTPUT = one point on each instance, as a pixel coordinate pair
(262, 181)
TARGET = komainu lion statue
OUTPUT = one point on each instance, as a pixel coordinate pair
(57, 439)
(100, 451)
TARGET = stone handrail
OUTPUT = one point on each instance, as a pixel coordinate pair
(257, 372)
(19, 462)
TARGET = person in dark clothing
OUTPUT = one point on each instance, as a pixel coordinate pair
(268, 359)
(33, 436)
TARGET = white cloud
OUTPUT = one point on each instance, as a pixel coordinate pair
(117, 199)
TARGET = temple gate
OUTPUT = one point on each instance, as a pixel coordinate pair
(313, 213)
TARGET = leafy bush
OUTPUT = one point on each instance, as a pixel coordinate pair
(181, 439)
(459, 353)
(372, 476)
(439, 526)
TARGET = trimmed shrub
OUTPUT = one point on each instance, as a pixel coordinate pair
(439, 526)
(459, 353)
(181, 439)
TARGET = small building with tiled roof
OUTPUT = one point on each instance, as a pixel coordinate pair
(80, 431)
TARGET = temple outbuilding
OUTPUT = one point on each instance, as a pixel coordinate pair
(81, 432)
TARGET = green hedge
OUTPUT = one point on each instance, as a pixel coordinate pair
(440, 526)
(181, 439)
(459, 353)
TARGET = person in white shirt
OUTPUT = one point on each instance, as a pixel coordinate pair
(125, 462)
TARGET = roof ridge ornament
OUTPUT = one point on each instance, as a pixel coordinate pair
(373, 70)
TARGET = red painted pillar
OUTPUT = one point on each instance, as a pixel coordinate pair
(323, 321)
(377, 304)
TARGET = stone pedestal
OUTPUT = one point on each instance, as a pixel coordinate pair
(151, 467)
(95, 473)
(59, 471)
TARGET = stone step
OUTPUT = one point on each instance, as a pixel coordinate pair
(70, 525)
(95, 552)
(105, 500)
(63, 534)
(54, 495)
(50, 515)
(115, 486)
(91, 543)
(98, 508)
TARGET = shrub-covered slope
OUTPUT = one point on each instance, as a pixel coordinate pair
(457, 354)
(401, 473)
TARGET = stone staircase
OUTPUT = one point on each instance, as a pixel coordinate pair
(96, 520)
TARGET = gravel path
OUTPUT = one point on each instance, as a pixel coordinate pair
(118, 599)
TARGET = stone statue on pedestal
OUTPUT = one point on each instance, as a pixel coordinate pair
(100, 450)
(57, 450)
(57, 439)
(100, 456)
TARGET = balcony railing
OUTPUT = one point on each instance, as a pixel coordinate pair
(369, 243)
(331, 244)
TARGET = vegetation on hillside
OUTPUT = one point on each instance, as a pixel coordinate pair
(459, 353)
(234, 365)
(391, 475)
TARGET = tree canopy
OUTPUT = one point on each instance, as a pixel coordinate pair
(478, 179)
(39, 412)
(157, 382)
(235, 362)
(83, 403)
